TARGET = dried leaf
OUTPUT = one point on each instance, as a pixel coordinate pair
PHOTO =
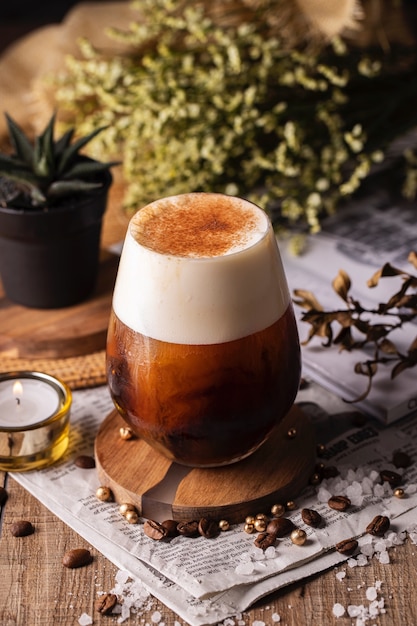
(387, 346)
(341, 284)
(386, 270)
(308, 300)
(412, 258)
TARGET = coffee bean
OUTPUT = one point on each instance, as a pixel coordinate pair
(208, 528)
(265, 540)
(339, 503)
(154, 530)
(188, 529)
(171, 527)
(379, 526)
(22, 528)
(77, 557)
(330, 471)
(3, 496)
(347, 546)
(280, 526)
(311, 517)
(85, 462)
(401, 459)
(388, 476)
(106, 603)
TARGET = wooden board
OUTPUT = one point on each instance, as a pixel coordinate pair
(161, 489)
(59, 333)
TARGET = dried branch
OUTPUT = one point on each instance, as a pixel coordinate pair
(359, 327)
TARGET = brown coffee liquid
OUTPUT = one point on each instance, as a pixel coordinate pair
(204, 405)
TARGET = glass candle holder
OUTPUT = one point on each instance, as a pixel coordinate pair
(34, 420)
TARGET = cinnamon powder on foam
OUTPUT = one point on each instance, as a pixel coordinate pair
(195, 229)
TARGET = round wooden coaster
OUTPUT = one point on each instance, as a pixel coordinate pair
(161, 489)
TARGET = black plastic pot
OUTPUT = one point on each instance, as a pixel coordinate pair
(49, 258)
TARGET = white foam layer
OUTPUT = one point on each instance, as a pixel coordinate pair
(201, 300)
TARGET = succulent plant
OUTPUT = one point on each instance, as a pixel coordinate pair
(43, 173)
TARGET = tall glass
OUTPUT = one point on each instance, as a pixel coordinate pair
(203, 357)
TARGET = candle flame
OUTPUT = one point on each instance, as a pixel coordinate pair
(17, 389)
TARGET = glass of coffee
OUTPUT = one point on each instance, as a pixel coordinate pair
(203, 357)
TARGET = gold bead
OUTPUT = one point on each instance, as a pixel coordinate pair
(250, 519)
(260, 525)
(291, 506)
(278, 510)
(104, 494)
(321, 448)
(126, 433)
(224, 524)
(315, 479)
(132, 517)
(249, 528)
(262, 516)
(125, 507)
(292, 433)
(298, 536)
(399, 492)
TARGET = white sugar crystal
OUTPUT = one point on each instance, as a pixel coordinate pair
(367, 549)
(85, 620)
(338, 609)
(362, 560)
(379, 491)
(244, 568)
(245, 556)
(357, 500)
(122, 577)
(373, 609)
(371, 593)
(380, 545)
(410, 489)
(352, 563)
(156, 617)
(355, 489)
(413, 537)
(323, 495)
(378, 584)
(270, 552)
(360, 473)
(384, 558)
(351, 476)
(367, 485)
(258, 622)
(356, 610)
(374, 476)
(275, 618)
(340, 575)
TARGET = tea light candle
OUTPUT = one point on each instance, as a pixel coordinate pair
(26, 401)
(34, 420)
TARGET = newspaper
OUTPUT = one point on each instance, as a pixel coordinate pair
(207, 580)
(360, 240)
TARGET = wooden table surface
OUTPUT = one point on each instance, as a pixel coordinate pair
(37, 590)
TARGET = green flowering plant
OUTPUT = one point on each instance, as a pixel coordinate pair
(194, 105)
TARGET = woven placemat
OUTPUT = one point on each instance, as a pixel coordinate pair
(77, 372)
